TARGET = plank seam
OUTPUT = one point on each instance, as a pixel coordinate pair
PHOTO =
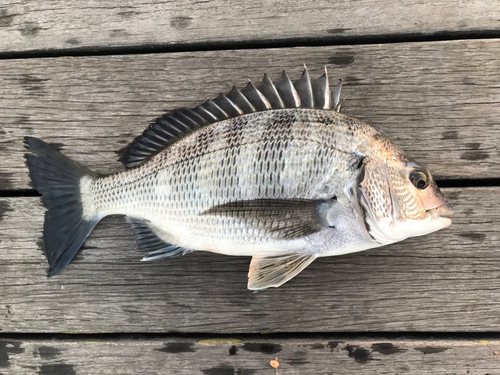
(324, 41)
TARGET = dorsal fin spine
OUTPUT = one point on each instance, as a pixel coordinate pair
(327, 91)
(335, 95)
(287, 91)
(158, 135)
(304, 88)
(174, 127)
(199, 120)
(165, 131)
(254, 96)
(180, 122)
(208, 113)
(219, 108)
(151, 141)
(185, 114)
(321, 92)
(237, 96)
(238, 109)
(217, 111)
(228, 106)
(271, 93)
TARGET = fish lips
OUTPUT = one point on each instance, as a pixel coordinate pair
(442, 213)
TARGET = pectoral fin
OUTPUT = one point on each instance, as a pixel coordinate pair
(273, 271)
(282, 218)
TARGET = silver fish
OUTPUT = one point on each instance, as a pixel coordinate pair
(274, 172)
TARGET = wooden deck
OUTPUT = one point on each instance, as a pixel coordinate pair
(89, 78)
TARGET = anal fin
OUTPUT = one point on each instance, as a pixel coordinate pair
(149, 240)
(273, 271)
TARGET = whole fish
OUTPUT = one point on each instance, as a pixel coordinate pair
(274, 172)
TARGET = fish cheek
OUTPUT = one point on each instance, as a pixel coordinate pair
(375, 189)
(406, 195)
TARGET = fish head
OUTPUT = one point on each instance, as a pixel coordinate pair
(400, 199)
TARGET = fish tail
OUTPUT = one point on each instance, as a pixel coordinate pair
(60, 181)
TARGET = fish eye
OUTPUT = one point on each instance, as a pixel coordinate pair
(419, 178)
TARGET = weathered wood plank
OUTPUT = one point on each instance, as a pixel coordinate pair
(249, 357)
(438, 101)
(446, 281)
(28, 26)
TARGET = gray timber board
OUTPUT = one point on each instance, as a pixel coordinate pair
(446, 281)
(72, 25)
(438, 101)
(249, 357)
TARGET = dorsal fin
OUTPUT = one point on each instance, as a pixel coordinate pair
(283, 93)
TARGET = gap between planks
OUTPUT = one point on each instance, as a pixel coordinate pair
(36, 26)
(332, 41)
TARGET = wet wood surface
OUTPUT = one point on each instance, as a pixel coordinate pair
(73, 25)
(222, 356)
(441, 104)
(446, 281)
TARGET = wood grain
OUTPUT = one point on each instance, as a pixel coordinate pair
(69, 25)
(446, 281)
(440, 102)
(219, 356)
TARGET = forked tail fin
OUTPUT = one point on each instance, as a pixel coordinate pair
(58, 179)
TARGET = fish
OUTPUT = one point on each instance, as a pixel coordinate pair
(274, 172)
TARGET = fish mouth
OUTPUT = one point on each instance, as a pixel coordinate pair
(442, 213)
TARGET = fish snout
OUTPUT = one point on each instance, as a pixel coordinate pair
(445, 210)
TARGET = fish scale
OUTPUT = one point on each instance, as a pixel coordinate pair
(176, 164)
(249, 173)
